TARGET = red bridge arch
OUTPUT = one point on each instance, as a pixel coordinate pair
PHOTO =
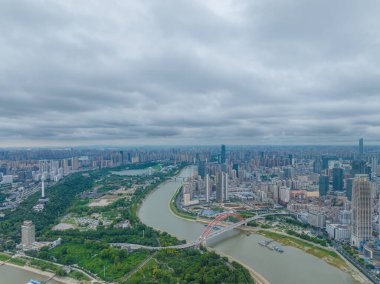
(218, 219)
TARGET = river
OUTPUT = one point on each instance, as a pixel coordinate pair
(15, 275)
(293, 266)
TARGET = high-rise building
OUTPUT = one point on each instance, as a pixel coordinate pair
(43, 186)
(323, 185)
(358, 167)
(223, 154)
(236, 168)
(361, 210)
(28, 234)
(337, 179)
(361, 146)
(65, 167)
(222, 187)
(288, 173)
(317, 166)
(74, 163)
(374, 165)
(207, 188)
(349, 185)
(202, 168)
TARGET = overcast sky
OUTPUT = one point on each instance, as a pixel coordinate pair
(189, 72)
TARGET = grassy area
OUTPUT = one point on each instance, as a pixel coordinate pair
(176, 211)
(4, 257)
(329, 256)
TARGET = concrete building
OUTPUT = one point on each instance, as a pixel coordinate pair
(323, 185)
(361, 146)
(222, 187)
(208, 188)
(349, 185)
(337, 179)
(28, 234)
(284, 195)
(361, 210)
(223, 154)
(339, 232)
(316, 219)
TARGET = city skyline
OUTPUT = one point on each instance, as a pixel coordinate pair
(189, 72)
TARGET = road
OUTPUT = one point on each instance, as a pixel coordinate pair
(360, 267)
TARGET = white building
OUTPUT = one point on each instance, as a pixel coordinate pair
(339, 232)
(28, 234)
(316, 219)
(361, 210)
(284, 194)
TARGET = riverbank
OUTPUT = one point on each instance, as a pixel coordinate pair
(47, 274)
(329, 256)
(254, 274)
(177, 213)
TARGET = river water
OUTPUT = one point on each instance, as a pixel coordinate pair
(291, 267)
(14, 275)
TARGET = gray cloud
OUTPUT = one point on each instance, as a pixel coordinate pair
(194, 72)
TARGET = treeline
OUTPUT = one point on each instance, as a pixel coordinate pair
(191, 266)
(308, 238)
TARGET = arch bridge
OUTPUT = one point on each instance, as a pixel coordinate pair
(208, 233)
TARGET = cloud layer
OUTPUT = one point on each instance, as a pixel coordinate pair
(189, 72)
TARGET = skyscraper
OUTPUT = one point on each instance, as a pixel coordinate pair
(323, 185)
(74, 163)
(358, 167)
(236, 168)
(222, 187)
(337, 179)
(28, 233)
(317, 166)
(361, 146)
(202, 168)
(349, 185)
(223, 154)
(207, 188)
(361, 210)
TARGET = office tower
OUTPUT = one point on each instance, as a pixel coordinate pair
(122, 157)
(349, 185)
(225, 187)
(65, 167)
(325, 162)
(236, 168)
(207, 188)
(288, 173)
(323, 185)
(43, 186)
(223, 154)
(358, 167)
(374, 165)
(291, 159)
(337, 179)
(202, 168)
(74, 163)
(28, 233)
(361, 146)
(317, 166)
(221, 188)
(361, 210)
